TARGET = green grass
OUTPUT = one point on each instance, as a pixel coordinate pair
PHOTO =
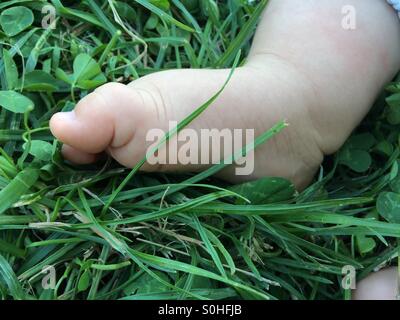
(115, 233)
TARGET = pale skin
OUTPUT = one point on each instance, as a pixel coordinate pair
(304, 67)
(382, 285)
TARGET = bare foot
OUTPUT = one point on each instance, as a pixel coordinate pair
(304, 67)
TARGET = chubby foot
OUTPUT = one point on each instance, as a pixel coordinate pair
(305, 67)
(117, 118)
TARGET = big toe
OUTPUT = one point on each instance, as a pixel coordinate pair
(106, 120)
(89, 127)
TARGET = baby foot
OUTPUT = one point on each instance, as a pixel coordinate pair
(305, 67)
(117, 118)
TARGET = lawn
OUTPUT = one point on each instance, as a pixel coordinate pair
(107, 232)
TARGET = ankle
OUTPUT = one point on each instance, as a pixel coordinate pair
(297, 83)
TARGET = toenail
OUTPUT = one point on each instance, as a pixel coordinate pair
(70, 115)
